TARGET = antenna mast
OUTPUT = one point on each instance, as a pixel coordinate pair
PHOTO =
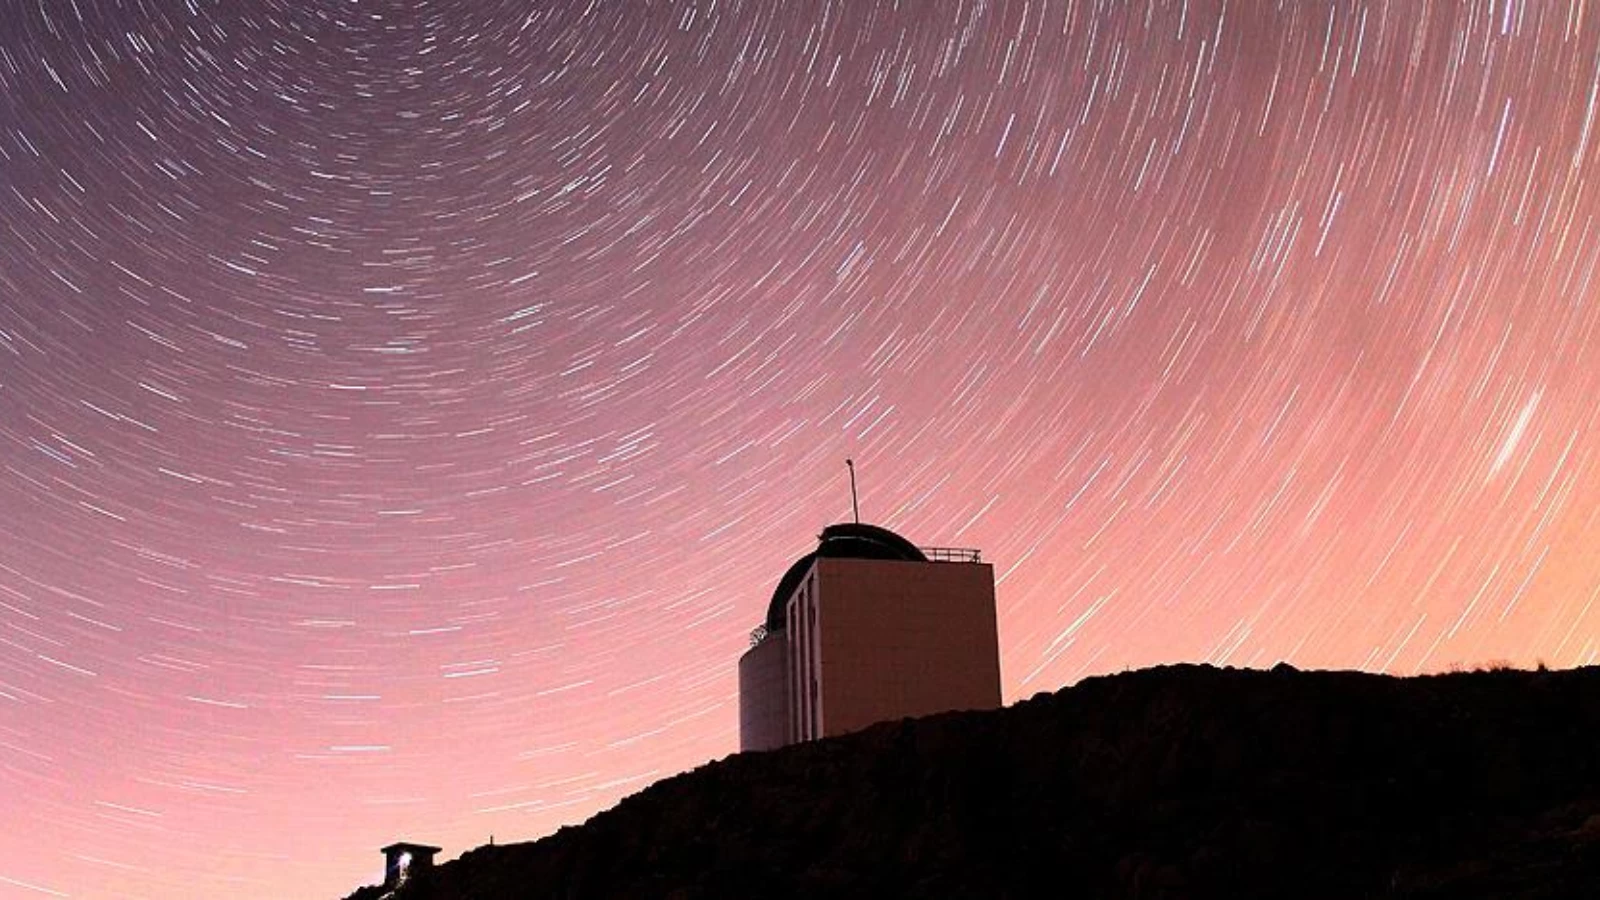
(855, 508)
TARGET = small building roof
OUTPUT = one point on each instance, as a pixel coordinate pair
(405, 847)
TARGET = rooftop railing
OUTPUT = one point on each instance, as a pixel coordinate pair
(952, 554)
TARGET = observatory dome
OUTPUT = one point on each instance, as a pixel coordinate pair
(846, 540)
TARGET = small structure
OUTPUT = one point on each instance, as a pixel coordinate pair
(402, 861)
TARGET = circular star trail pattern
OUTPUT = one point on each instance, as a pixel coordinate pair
(406, 407)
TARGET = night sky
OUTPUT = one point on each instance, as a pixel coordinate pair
(407, 407)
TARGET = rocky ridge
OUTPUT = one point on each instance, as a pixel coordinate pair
(1175, 782)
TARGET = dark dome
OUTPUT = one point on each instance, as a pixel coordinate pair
(846, 540)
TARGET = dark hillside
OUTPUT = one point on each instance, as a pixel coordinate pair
(1183, 781)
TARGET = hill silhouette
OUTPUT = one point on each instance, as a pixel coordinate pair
(1175, 782)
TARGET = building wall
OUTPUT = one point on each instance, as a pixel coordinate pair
(763, 710)
(804, 675)
(896, 639)
(404, 864)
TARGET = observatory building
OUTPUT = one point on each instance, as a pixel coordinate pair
(869, 628)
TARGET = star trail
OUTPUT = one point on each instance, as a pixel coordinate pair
(407, 407)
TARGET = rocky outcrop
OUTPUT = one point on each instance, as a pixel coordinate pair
(1177, 782)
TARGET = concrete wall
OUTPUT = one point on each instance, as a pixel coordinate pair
(899, 639)
(763, 706)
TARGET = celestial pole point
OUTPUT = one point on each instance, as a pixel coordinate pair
(855, 508)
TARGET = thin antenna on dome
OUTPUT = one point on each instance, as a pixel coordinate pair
(855, 508)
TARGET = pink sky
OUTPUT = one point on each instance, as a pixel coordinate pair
(406, 408)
